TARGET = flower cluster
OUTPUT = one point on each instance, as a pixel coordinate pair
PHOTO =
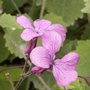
(43, 57)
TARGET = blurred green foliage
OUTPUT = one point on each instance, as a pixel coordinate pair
(73, 14)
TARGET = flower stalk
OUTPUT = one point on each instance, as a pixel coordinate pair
(42, 8)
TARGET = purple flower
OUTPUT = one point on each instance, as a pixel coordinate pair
(63, 69)
(38, 28)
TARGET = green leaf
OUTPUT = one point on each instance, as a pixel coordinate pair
(77, 85)
(38, 2)
(68, 46)
(87, 7)
(4, 53)
(6, 20)
(10, 5)
(69, 10)
(83, 48)
(14, 42)
(14, 73)
(5, 85)
(55, 18)
(86, 33)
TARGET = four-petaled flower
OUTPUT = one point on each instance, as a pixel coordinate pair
(44, 29)
(63, 69)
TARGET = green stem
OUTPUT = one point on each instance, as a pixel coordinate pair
(42, 8)
(43, 82)
(22, 79)
(25, 65)
(12, 84)
(10, 80)
(15, 5)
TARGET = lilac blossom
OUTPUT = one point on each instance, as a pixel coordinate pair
(63, 69)
(38, 28)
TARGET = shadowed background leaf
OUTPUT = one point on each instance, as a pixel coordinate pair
(69, 10)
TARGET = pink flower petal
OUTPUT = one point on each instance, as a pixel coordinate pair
(52, 41)
(70, 60)
(28, 34)
(64, 77)
(64, 69)
(40, 57)
(41, 25)
(60, 29)
(24, 21)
